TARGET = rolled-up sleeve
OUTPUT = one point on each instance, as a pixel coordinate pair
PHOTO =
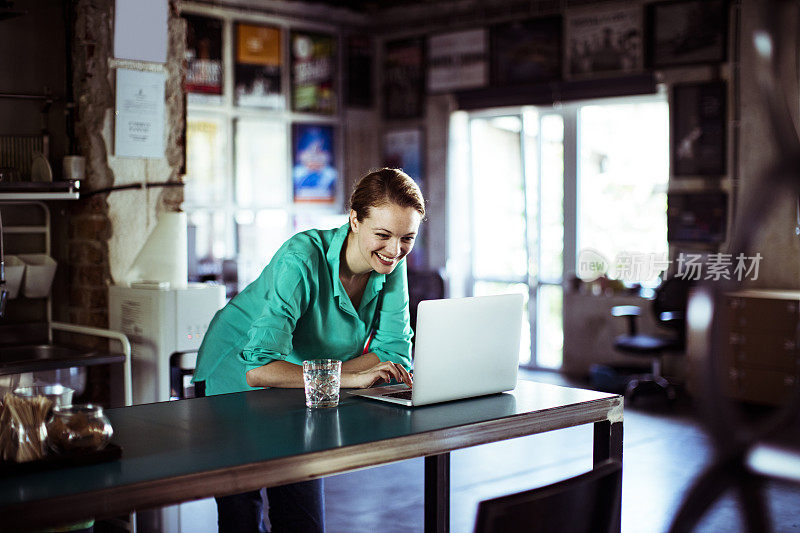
(393, 333)
(270, 336)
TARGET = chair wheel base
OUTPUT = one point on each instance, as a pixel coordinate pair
(647, 385)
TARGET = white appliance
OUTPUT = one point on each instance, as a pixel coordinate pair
(164, 326)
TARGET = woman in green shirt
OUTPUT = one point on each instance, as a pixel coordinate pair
(337, 294)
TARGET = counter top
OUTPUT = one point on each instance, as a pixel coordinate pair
(188, 449)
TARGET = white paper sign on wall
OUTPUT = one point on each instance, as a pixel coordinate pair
(139, 124)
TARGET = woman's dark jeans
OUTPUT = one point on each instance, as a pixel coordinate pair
(298, 507)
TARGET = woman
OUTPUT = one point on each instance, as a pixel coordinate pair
(338, 294)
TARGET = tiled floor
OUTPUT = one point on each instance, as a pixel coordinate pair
(662, 454)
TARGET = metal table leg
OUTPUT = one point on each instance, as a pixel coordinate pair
(437, 493)
(608, 445)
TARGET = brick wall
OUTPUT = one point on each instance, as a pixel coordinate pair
(106, 230)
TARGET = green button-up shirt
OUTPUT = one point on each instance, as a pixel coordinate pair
(298, 309)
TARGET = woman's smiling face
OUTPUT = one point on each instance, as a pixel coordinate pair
(383, 238)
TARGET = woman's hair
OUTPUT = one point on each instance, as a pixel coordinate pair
(384, 186)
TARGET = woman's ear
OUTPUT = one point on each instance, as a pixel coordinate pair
(354, 223)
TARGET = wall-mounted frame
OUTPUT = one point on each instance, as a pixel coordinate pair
(403, 149)
(203, 59)
(404, 79)
(458, 60)
(313, 72)
(687, 32)
(257, 71)
(527, 51)
(698, 217)
(360, 59)
(698, 115)
(314, 172)
(603, 42)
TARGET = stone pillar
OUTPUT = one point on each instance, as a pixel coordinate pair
(107, 230)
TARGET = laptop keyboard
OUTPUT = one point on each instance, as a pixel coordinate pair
(403, 395)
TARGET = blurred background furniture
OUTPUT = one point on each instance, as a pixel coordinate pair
(423, 285)
(669, 311)
(761, 352)
(581, 504)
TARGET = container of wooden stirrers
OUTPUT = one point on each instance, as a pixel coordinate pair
(22, 427)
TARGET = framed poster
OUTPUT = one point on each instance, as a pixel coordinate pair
(403, 149)
(458, 60)
(603, 42)
(314, 172)
(360, 58)
(527, 51)
(203, 59)
(403, 79)
(697, 217)
(687, 32)
(313, 72)
(698, 120)
(258, 67)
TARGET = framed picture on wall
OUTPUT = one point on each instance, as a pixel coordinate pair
(203, 59)
(314, 172)
(458, 60)
(527, 51)
(360, 58)
(313, 72)
(700, 217)
(258, 67)
(687, 32)
(697, 122)
(603, 42)
(404, 79)
(403, 149)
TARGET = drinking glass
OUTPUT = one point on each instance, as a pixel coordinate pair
(322, 378)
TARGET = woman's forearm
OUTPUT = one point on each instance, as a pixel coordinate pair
(276, 374)
(289, 375)
(362, 362)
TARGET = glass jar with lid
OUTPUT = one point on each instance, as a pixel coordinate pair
(78, 428)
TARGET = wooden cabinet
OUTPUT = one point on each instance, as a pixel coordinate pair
(761, 351)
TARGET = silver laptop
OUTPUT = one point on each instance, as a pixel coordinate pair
(465, 347)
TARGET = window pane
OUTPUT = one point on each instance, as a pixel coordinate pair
(260, 234)
(487, 288)
(530, 117)
(210, 234)
(318, 220)
(549, 327)
(623, 168)
(262, 175)
(499, 199)
(205, 161)
(552, 192)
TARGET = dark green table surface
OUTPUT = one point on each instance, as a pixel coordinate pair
(181, 450)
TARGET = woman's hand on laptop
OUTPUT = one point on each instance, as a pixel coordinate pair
(382, 371)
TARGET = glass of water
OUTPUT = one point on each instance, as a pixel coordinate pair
(322, 378)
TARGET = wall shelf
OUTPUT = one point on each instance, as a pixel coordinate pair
(38, 196)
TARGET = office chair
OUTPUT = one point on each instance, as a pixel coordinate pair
(669, 310)
(586, 503)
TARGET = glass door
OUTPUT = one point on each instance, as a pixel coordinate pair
(516, 223)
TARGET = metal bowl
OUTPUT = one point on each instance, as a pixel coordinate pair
(60, 395)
